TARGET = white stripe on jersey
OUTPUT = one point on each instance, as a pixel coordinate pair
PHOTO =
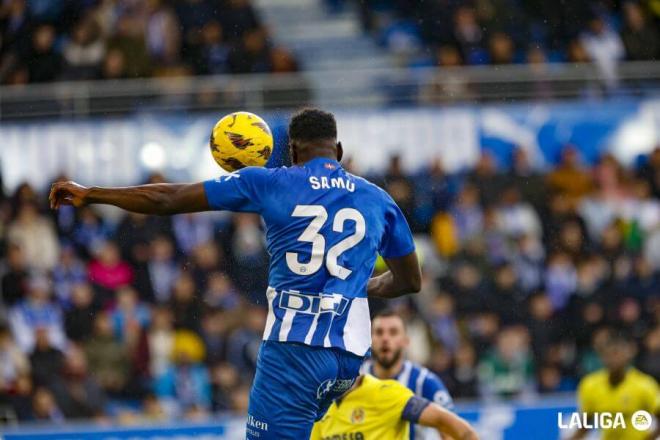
(270, 320)
(326, 340)
(287, 322)
(357, 331)
(404, 377)
(312, 329)
(419, 386)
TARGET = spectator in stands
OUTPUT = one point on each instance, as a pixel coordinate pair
(515, 217)
(467, 214)
(640, 38)
(44, 407)
(252, 55)
(605, 48)
(650, 357)
(90, 231)
(186, 304)
(187, 380)
(35, 235)
(243, 343)
(43, 61)
(84, 51)
(216, 323)
(129, 41)
(486, 177)
(108, 271)
(163, 33)
(220, 292)
(501, 48)
(46, 360)
(37, 312)
(569, 178)
(214, 53)
(114, 65)
(68, 272)
(650, 171)
(79, 317)
(224, 380)
(507, 370)
(192, 230)
(106, 356)
(162, 268)
(238, 18)
(76, 392)
(15, 276)
(469, 35)
(160, 339)
(130, 316)
(13, 362)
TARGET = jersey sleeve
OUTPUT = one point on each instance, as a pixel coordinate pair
(434, 390)
(414, 408)
(394, 397)
(240, 191)
(397, 239)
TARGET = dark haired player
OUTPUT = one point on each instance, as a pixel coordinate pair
(325, 228)
(619, 388)
(389, 341)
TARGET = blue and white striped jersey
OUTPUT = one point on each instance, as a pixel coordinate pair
(324, 229)
(423, 383)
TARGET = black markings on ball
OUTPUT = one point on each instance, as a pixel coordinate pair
(238, 140)
(263, 127)
(233, 120)
(233, 163)
(265, 152)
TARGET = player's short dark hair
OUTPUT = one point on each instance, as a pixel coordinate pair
(312, 124)
(388, 313)
(619, 336)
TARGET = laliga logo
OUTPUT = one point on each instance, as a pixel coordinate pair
(640, 420)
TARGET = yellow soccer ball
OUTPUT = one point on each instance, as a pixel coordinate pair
(240, 140)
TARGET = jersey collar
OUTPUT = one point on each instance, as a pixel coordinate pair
(329, 164)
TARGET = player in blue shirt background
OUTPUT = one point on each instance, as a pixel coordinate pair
(324, 230)
(388, 361)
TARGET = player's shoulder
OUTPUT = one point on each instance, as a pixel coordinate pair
(593, 380)
(642, 379)
(370, 187)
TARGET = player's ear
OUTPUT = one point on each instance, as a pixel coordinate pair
(340, 151)
(293, 153)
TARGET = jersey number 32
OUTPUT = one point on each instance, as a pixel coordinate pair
(311, 235)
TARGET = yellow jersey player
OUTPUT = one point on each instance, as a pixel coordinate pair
(618, 388)
(377, 409)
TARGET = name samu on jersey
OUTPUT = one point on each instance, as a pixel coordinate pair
(324, 230)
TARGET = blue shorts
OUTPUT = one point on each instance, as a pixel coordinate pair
(294, 386)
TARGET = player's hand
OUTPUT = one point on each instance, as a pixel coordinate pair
(67, 193)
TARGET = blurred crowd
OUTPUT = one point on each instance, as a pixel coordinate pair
(130, 317)
(476, 32)
(54, 40)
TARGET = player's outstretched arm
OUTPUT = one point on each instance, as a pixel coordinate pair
(404, 276)
(447, 423)
(158, 199)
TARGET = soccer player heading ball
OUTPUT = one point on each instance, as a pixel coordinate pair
(325, 228)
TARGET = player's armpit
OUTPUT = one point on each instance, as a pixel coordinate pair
(404, 276)
(447, 423)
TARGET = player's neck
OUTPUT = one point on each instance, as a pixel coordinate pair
(616, 377)
(309, 158)
(387, 373)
